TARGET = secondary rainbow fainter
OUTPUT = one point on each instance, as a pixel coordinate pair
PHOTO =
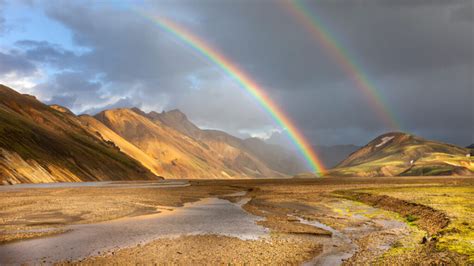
(246, 83)
(316, 29)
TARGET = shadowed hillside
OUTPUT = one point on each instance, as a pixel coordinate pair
(39, 143)
(400, 154)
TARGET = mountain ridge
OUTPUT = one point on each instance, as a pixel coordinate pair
(276, 157)
(38, 143)
(117, 144)
(179, 155)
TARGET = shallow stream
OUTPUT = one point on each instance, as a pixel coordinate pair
(207, 216)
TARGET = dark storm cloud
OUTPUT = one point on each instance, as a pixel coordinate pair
(418, 58)
(464, 13)
(383, 40)
(390, 3)
(417, 54)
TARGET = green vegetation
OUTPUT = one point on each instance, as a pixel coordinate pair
(18, 135)
(411, 218)
(406, 245)
(456, 202)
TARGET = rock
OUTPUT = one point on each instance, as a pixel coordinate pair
(424, 240)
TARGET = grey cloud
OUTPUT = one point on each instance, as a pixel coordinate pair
(46, 52)
(417, 55)
(229, 108)
(391, 3)
(15, 62)
(125, 46)
(63, 100)
(121, 103)
(75, 90)
(381, 39)
(464, 13)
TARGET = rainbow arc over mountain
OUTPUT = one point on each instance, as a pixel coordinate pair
(247, 83)
(322, 36)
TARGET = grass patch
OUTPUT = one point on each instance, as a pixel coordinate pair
(411, 218)
(456, 201)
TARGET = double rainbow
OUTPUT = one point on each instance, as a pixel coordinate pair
(341, 56)
(246, 83)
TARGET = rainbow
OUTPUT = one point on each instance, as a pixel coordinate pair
(249, 85)
(316, 29)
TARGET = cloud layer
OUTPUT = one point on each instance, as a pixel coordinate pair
(418, 55)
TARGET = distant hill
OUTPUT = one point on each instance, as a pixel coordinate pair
(400, 154)
(275, 156)
(41, 143)
(329, 155)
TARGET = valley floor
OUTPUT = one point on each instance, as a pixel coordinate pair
(327, 221)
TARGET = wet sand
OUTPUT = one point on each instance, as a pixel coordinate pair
(104, 184)
(210, 216)
(337, 249)
(235, 221)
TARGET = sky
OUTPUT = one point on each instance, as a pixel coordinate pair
(89, 56)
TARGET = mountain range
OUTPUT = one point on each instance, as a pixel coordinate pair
(49, 143)
(41, 143)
